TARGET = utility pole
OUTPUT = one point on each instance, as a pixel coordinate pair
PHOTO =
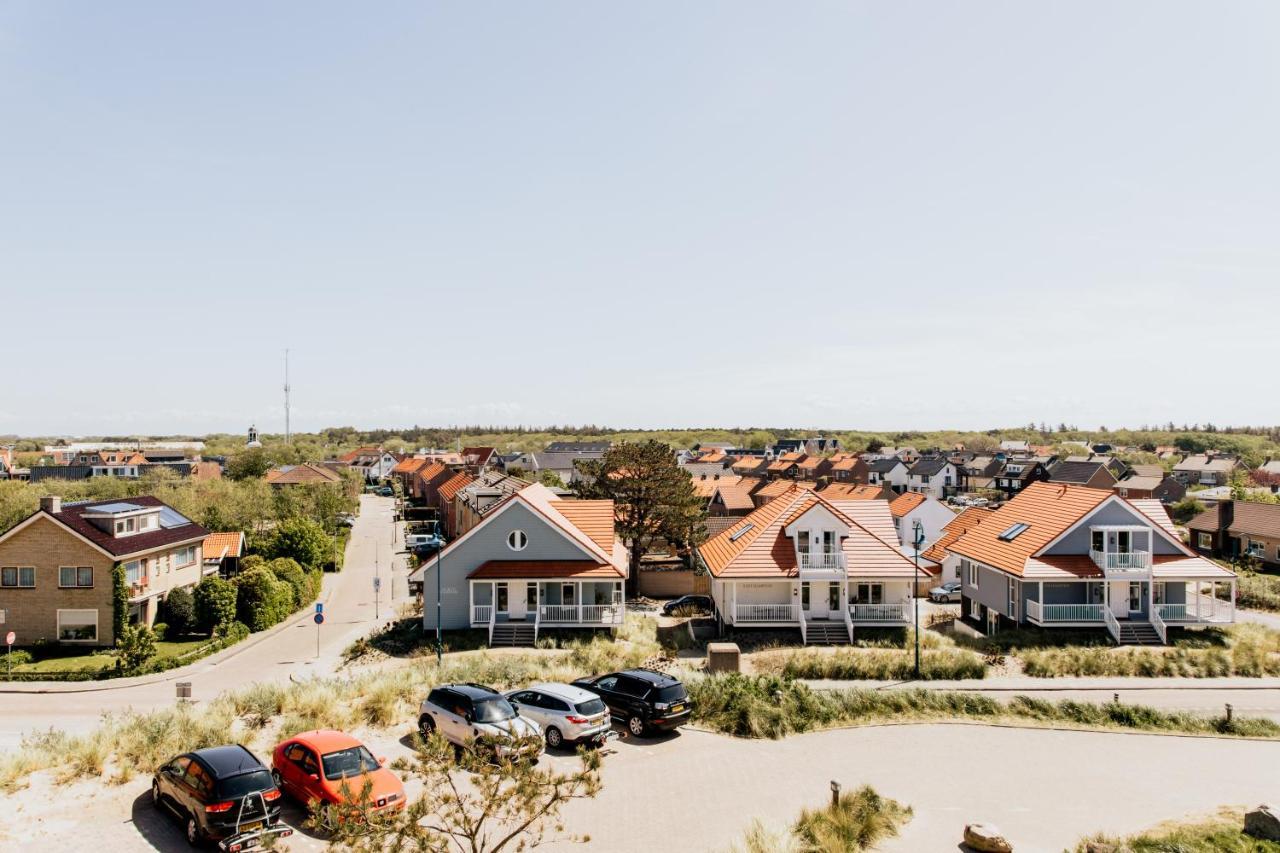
(377, 581)
(287, 433)
(917, 537)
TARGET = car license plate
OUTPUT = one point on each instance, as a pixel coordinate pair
(251, 827)
(676, 709)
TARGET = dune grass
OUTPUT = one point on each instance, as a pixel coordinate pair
(1221, 833)
(885, 654)
(775, 707)
(1244, 650)
(856, 822)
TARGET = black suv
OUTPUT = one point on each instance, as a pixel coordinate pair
(223, 794)
(644, 699)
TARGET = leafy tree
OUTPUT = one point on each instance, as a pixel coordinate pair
(136, 646)
(302, 540)
(248, 464)
(262, 599)
(550, 479)
(653, 498)
(875, 445)
(215, 605)
(178, 611)
(493, 806)
(305, 584)
(1186, 509)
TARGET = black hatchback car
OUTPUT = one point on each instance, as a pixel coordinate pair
(687, 603)
(645, 700)
(223, 794)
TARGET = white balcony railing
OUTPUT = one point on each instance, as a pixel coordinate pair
(820, 561)
(1114, 562)
(1044, 613)
(897, 613)
(583, 614)
(744, 613)
(480, 613)
(1199, 608)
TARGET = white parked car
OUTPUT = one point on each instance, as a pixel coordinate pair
(567, 714)
(466, 713)
(948, 592)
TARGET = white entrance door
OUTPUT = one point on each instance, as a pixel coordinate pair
(818, 600)
(1119, 591)
(516, 599)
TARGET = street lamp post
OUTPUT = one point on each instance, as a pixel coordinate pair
(917, 538)
(439, 607)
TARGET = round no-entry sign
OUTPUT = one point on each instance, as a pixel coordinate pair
(319, 618)
(10, 638)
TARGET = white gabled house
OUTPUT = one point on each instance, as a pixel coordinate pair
(822, 567)
(890, 471)
(1071, 556)
(535, 561)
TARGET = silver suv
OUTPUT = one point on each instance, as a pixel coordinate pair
(567, 714)
(465, 713)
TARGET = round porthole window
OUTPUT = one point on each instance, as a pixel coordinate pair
(516, 540)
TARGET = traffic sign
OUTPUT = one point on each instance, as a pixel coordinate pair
(319, 607)
(318, 618)
(10, 638)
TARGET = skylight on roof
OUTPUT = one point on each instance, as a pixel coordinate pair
(1014, 532)
(736, 536)
(170, 517)
(113, 509)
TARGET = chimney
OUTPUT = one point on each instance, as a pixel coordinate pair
(1226, 515)
(51, 504)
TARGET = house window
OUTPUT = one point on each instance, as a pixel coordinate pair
(804, 596)
(75, 576)
(133, 571)
(1098, 540)
(500, 594)
(78, 626)
(1157, 593)
(18, 576)
(568, 593)
(516, 540)
(1014, 590)
(1205, 541)
(1257, 549)
(869, 593)
(184, 556)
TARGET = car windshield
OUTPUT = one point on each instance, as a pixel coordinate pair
(237, 786)
(348, 762)
(493, 710)
(590, 708)
(671, 693)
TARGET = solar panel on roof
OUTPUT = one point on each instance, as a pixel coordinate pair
(170, 517)
(117, 507)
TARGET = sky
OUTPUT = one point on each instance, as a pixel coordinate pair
(846, 215)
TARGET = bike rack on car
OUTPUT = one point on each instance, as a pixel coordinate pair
(238, 840)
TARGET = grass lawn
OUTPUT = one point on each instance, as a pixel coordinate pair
(99, 660)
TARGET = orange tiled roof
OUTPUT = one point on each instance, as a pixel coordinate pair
(779, 487)
(846, 463)
(408, 465)
(810, 463)
(905, 502)
(852, 492)
(219, 545)
(954, 529)
(736, 494)
(535, 569)
(594, 518)
(455, 484)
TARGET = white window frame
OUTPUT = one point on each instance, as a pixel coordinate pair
(75, 577)
(78, 610)
(517, 540)
(178, 560)
(1204, 540)
(18, 572)
(572, 590)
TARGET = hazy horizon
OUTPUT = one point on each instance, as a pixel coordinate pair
(932, 214)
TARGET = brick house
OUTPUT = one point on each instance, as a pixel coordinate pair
(1231, 529)
(56, 566)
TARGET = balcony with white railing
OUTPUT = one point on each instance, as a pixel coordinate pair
(1122, 564)
(747, 614)
(821, 565)
(1199, 609)
(896, 613)
(1046, 614)
(481, 613)
(581, 614)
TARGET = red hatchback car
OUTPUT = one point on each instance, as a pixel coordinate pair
(314, 766)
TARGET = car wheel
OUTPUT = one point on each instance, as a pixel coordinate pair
(636, 726)
(426, 726)
(155, 793)
(193, 832)
(554, 739)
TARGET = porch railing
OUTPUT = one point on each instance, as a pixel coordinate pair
(1210, 610)
(1038, 612)
(896, 612)
(1131, 561)
(1158, 623)
(587, 614)
(480, 613)
(766, 613)
(1113, 625)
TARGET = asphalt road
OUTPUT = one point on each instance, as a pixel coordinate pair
(696, 791)
(283, 652)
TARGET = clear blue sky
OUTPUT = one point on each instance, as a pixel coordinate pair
(848, 214)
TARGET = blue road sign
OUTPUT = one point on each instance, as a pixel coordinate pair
(319, 607)
(319, 618)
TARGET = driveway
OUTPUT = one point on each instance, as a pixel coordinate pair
(698, 791)
(283, 652)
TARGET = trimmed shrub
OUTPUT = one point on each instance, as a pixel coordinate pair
(302, 540)
(305, 584)
(161, 630)
(262, 599)
(137, 646)
(178, 611)
(215, 604)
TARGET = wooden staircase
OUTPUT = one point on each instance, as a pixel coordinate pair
(513, 634)
(1133, 633)
(826, 632)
